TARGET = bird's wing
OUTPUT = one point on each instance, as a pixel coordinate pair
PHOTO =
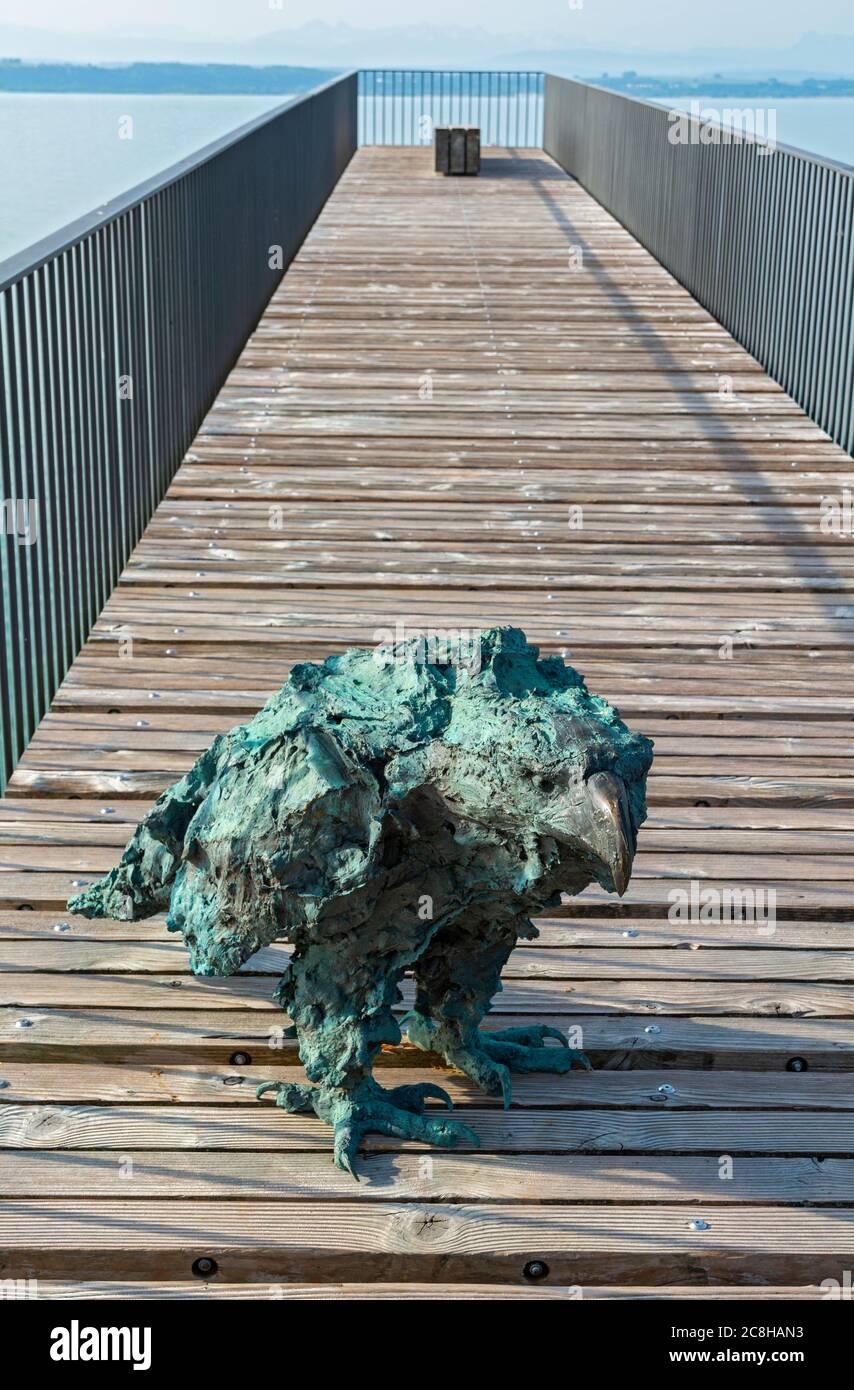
(141, 883)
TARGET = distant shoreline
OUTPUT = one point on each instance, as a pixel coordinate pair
(237, 79)
(158, 79)
(772, 88)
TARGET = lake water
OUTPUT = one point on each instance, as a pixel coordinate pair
(61, 156)
(820, 125)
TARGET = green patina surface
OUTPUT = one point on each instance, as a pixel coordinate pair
(393, 811)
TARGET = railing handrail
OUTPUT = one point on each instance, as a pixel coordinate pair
(745, 137)
(459, 72)
(38, 253)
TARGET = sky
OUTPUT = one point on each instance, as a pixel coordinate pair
(656, 23)
(775, 36)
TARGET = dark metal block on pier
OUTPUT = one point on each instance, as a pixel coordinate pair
(457, 149)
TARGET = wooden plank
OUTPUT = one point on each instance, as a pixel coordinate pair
(84, 1083)
(257, 1241)
(528, 1131)
(129, 1175)
(409, 1292)
(652, 998)
(64, 955)
(627, 932)
(85, 1033)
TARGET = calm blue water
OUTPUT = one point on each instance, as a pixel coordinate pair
(61, 156)
(821, 125)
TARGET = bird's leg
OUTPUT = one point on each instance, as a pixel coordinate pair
(456, 979)
(342, 1019)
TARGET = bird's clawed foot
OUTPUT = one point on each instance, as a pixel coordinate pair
(398, 1113)
(489, 1057)
(524, 1049)
(400, 1117)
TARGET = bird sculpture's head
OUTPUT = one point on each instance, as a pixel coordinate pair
(529, 754)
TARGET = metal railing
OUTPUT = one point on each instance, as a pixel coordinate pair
(115, 336)
(762, 236)
(402, 107)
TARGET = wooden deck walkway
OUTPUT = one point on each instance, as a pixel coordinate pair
(470, 402)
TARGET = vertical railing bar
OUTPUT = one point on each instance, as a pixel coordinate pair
(93, 462)
(106, 303)
(810, 284)
(771, 251)
(49, 462)
(16, 634)
(788, 208)
(79, 518)
(825, 307)
(425, 106)
(139, 414)
(830, 305)
(843, 386)
(40, 458)
(33, 579)
(128, 364)
(58, 455)
(800, 276)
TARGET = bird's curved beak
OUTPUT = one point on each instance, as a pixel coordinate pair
(617, 837)
(598, 821)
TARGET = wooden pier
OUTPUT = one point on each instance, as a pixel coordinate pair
(469, 403)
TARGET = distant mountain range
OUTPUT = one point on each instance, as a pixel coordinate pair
(335, 46)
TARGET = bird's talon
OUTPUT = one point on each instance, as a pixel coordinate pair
(290, 1095)
(347, 1137)
(412, 1098)
(531, 1036)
